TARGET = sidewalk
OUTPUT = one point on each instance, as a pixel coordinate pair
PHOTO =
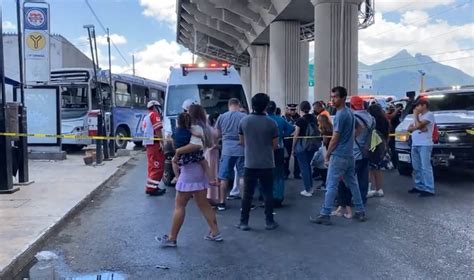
(31, 214)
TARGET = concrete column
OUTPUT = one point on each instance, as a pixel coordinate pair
(304, 74)
(246, 78)
(258, 68)
(285, 60)
(336, 46)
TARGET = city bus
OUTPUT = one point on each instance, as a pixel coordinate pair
(126, 101)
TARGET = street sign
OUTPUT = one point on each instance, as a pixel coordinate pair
(311, 75)
(36, 40)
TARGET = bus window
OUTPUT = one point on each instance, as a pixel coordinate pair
(139, 96)
(156, 94)
(123, 95)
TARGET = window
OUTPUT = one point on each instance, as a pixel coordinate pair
(213, 98)
(451, 101)
(73, 97)
(123, 96)
(156, 94)
(139, 94)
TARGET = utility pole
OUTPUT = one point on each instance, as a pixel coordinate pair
(133, 65)
(422, 80)
(112, 101)
(23, 171)
(6, 170)
(91, 32)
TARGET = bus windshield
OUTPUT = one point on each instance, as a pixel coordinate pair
(74, 101)
(213, 98)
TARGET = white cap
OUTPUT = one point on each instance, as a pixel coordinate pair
(188, 102)
(152, 103)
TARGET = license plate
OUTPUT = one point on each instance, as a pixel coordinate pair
(404, 157)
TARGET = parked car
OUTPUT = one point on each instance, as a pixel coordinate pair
(453, 110)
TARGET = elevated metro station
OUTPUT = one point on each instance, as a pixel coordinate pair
(269, 41)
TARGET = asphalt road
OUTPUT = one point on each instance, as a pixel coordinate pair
(405, 237)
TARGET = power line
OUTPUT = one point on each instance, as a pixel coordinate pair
(424, 63)
(420, 20)
(105, 31)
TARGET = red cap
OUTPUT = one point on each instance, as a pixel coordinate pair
(357, 103)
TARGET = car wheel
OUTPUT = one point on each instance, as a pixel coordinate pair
(121, 144)
(404, 170)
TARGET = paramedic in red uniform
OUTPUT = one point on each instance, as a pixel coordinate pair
(156, 159)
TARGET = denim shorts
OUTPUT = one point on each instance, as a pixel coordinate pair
(226, 167)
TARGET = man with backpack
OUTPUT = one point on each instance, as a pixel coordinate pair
(422, 145)
(365, 124)
(306, 142)
(340, 160)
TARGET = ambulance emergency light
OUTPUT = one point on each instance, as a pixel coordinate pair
(186, 68)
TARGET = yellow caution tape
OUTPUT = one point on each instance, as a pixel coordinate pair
(470, 131)
(84, 137)
(72, 136)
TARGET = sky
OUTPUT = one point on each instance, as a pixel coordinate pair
(442, 29)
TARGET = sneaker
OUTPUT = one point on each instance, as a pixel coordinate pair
(337, 213)
(347, 216)
(243, 227)
(372, 193)
(233, 197)
(415, 190)
(425, 194)
(307, 194)
(379, 193)
(216, 238)
(321, 220)
(165, 241)
(360, 216)
(155, 192)
(271, 225)
(221, 207)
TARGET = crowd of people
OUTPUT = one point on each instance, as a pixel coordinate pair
(348, 152)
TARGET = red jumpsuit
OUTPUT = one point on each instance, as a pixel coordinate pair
(152, 125)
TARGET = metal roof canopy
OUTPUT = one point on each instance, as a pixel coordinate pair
(224, 29)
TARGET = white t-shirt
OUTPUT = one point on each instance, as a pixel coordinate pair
(424, 138)
(197, 130)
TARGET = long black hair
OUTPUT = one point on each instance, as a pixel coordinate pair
(381, 121)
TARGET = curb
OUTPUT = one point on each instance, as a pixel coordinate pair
(25, 258)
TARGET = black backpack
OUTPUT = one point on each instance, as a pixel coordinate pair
(377, 155)
(313, 141)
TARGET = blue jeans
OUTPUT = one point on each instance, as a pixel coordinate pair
(226, 167)
(423, 170)
(304, 161)
(341, 167)
(362, 173)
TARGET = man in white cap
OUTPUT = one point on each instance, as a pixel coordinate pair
(188, 102)
(152, 126)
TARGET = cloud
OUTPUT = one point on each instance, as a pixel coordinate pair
(161, 10)
(437, 37)
(386, 6)
(8, 25)
(115, 38)
(154, 61)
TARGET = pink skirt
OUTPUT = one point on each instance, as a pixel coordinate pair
(192, 178)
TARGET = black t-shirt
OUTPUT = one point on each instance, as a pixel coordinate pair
(302, 123)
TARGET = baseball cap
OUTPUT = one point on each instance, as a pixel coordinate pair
(357, 103)
(152, 103)
(188, 102)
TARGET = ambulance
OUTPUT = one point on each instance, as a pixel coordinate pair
(210, 85)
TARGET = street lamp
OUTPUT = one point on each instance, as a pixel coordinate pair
(422, 80)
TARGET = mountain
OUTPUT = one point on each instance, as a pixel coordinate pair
(399, 74)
